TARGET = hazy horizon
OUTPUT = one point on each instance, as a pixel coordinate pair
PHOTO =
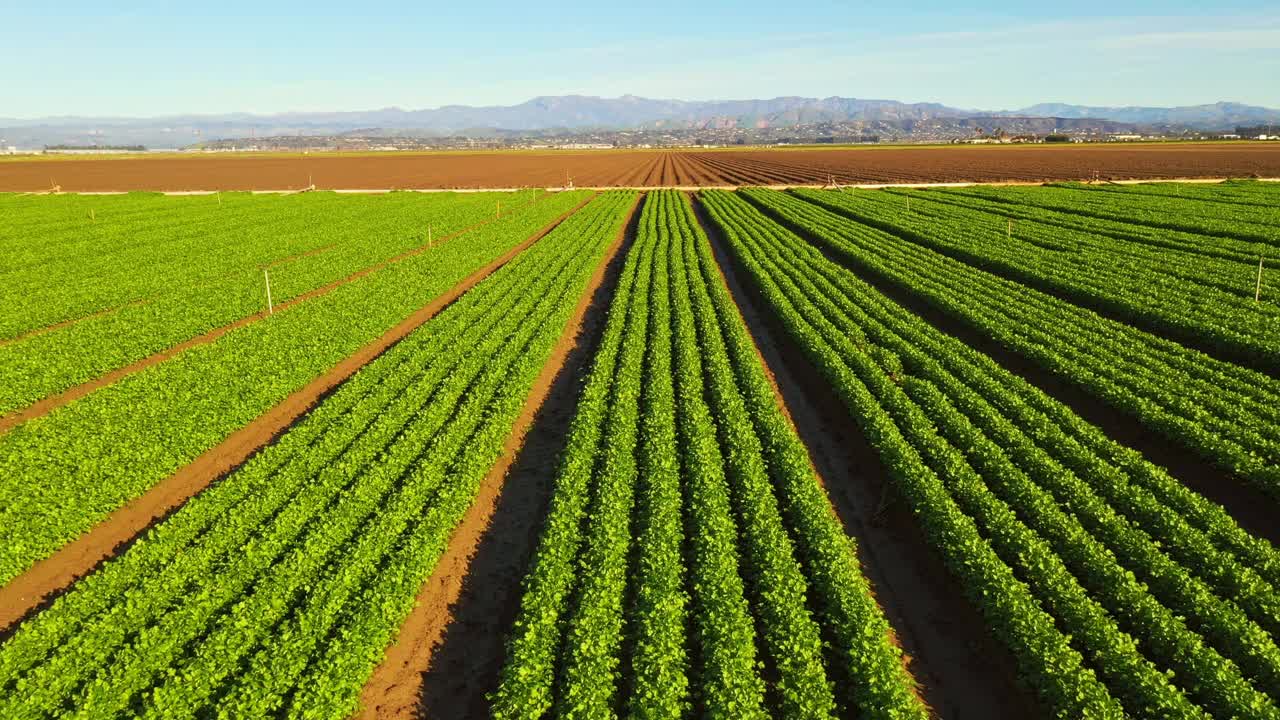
(271, 114)
(154, 60)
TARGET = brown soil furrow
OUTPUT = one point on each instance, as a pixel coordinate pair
(654, 171)
(447, 654)
(660, 179)
(823, 167)
(806, 173)
(780, 172)
(678, 175)
(635, 174)
(753, 169)
(28, 591)
(1251, 508)
(704, 174)
(740, 170)
(962, 670)
(715, 168)
(686, 170)
(68, 323)
(53, 402)
(660, 170)
(709, 227)
(443, 170)
(143, 301)
(654, 177)
(669, 177)
(620, 176)
(737, 173)
(299, 256)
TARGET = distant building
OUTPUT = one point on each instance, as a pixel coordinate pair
(1259, 132)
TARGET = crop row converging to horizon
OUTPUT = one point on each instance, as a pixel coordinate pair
(238, 434)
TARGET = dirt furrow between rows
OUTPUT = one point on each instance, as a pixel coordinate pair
(696, 172)
(962, 670)
(704, 173)
(781, 171)
(448, 653)
(684, 170)
(636, 174)
(32, 590)
(1247, 505)
(63, 324)
(654, 172)
(738, 174)
(53, 402)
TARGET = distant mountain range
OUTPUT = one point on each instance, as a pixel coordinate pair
(1218, 116)
(577, 112)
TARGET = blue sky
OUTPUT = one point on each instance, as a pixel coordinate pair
(160, 58)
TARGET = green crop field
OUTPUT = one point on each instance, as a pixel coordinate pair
(996, 452)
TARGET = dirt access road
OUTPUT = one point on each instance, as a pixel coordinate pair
(640, 168)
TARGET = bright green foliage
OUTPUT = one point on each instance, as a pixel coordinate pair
(1113, 587)
(1227, 413)
(734, 538)
(276, 592)
(132, 283)
(1245, 211)
(61, 473)
(1177, 292)
(690, 563)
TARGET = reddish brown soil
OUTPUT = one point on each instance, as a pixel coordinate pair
(28, 592)
(995, 164)
(963, 672)
(51, 403)
(646, 168)
(448, 653)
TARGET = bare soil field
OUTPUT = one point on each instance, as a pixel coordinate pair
(864, 165)
(992, 164)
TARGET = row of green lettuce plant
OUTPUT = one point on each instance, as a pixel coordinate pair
(872, 673)
(1077, 556)
(1164, 291)
(1218, 263)
(1254, 225)
(1251, 195)
(1207, 246)
(171, 292)
(277, 591)
(1228, 414)
(672, 593)
(137, 247)
(572, 615)
(63, 472)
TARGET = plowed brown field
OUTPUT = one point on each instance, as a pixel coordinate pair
(868, 165)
